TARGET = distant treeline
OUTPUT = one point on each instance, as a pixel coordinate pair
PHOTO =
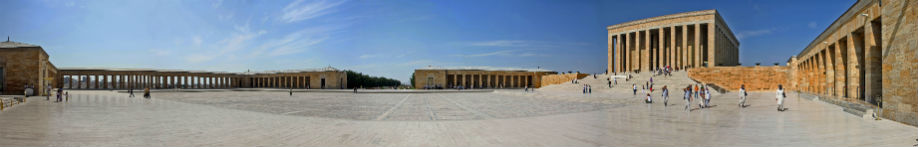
(356, 79)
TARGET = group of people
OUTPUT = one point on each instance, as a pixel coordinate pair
(587, 89)
(692, 92)
(146, 92)
(666, 71)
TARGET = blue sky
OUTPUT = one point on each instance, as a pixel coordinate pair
(383, 38)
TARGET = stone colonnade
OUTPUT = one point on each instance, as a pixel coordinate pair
(489, 80)
(685, 40)
(844, 62)
(123, 79)
(146, 79)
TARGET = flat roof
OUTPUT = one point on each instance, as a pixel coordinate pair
(485, 68)
(325, 69)
(664, 17)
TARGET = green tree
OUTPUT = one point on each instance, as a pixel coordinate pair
(356, 79)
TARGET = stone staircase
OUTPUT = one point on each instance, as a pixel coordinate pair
(853, 107)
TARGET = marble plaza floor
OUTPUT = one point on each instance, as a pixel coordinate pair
(500, 118)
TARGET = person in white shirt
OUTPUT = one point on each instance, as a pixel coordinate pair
(707, 97)
(779, 96)
(742, 95)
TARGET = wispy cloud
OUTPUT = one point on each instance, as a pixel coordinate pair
(302, 10)
(753, 33)
(812, 25)
(238, 40)
(506, 53)
(160, 52)
(501, 43)
(524, 43)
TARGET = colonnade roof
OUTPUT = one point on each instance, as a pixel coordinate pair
(664, 17)
(486, 68)
(12, 44)
(194, 71)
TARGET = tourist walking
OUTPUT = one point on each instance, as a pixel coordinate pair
(665, 95)
(634, 88)
(60, 93)
(742, 95)
(131, 92)
(700, 97)
(707, 97)
(779, 96)
(48, 92)
(687, 96)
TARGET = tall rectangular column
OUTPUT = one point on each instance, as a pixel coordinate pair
(660, 48)
(645, 52)
(684, 49)
(611, 49)
(672, 46)
(712, 45)
(853, 66)
(627, 55)
(697, 45)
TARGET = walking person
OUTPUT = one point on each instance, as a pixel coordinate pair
(131, 92)
(700, 96)
(60, 93)
(665, 95)
(634, 88)
(707, 97)
(48, 92)
(742, 95)
(687, 96)
(779, 96)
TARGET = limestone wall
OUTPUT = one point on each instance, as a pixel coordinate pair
(20, 67)
(759, 78)
(900, 61)
(560, 78)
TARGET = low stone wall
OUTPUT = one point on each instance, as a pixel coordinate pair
(560, 78)
(758, 78)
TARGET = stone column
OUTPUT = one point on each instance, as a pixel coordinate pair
(627, 62)
(660, 48)
(712, 45)
(830, 73)
(697, 46)
(672, 46)
(853, 66)
(685, 54)
(611, 50)
(645, 52)
(840, 66)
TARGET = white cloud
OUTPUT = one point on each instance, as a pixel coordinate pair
(224, 48)
(218, 3)
(501, 43)
(295, 42)
(197, 41)
(301, 10)
(496, 53)
(525, 43)
(160, 52)
(753, 33)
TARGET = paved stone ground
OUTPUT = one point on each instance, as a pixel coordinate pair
(502, 118)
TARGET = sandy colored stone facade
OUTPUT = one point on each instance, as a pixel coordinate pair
(478, 78)
(72, 78)
(758, 78)
(560, 78)
(868, 54)
(684, 40)
(24, 64)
